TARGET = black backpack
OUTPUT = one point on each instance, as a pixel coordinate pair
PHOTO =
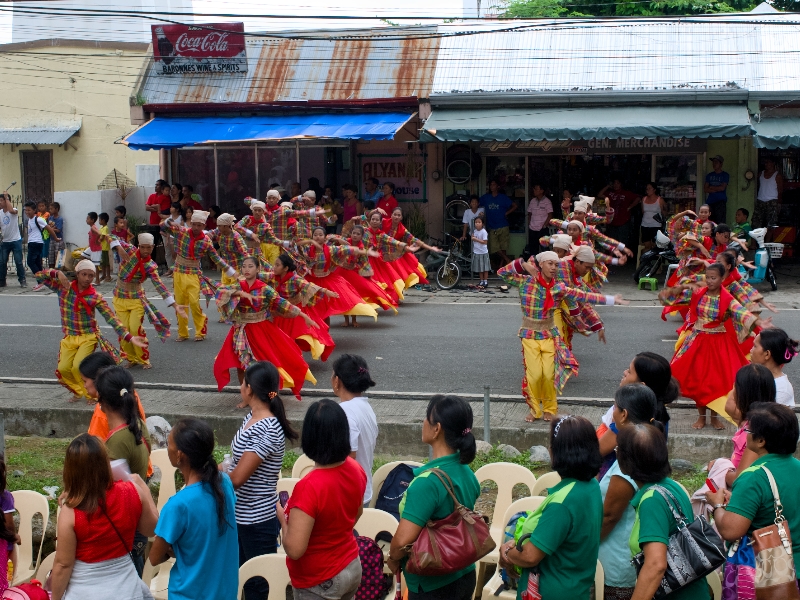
(393, 489)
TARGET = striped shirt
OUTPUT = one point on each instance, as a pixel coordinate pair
(192, 248)
(256, 498)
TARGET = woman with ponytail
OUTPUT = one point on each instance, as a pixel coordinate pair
(197, 525)
(447, 429)
(257, 451)
(773, 348)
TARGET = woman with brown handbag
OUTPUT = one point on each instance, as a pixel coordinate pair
(447, 428)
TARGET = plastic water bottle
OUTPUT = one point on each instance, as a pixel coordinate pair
(227, 464)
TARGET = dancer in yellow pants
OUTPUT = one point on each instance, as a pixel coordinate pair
(130, 299)
(258, 234)
(192, 244)
(77, 302)
(547, 360)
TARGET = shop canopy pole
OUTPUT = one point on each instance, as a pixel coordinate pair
(297, 158)
(258, 189)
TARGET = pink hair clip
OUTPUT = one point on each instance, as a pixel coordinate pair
(466, 431)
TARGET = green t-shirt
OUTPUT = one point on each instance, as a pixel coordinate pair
(121, 444)
(751, 496)
(740, 230)
(655, 523)
(427, 499)
(568, 531)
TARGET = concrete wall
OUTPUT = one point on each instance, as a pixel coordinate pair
(75, 206)
(739, 155)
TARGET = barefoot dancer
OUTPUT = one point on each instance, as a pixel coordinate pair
(249, 305)
(77, 302)
(130, 300)
(547, 361)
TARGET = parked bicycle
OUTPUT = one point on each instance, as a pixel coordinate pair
(448, 265)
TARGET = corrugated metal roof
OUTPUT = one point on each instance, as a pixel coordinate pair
(369, 64)
(57, 134)
(753, 52)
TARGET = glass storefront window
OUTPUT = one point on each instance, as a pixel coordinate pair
(510, 172)
(276, 164)
(676, 177)
(196, 168)
(237, 178)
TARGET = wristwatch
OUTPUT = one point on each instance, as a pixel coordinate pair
(716, 506)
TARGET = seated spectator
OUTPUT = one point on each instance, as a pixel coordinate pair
(741, 228)
(772, 434)
(317, 523)
(773, 348)
(96, 527)
(642, 456)
(211, 223)
(447, 429)
(197, 525)
(350, 380)
(565, 529)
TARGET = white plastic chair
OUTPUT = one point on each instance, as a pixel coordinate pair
(374, 521)
(545, 481)
(167, 488)
(159, 578)
(286, 485)
(599, 582)
(715, 584)
(382, 473)
(45, 567)
(506, 476)
(271, 567)
(28, 504)
(301, 468)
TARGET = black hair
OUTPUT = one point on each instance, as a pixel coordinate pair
(729, 258)
(188, 187)
(253, 259)
(716, 267)
(776, 424)
(288, 262)
(56, 204)
(121, 209)
(94, 363)
(195, 438)
(454, 414)
(5, 534)
(92, 215)
(780, 346)
(653, 185)
(265, 381)
(177, 185)
(103, 216)
(479, 218)
(390, 184)
(396, 208)
(753, 383)
(353, 372)
(359, 227)
(575, 448)
(177, 206)
(721, 228)
(369, 205)
(31, 205)
(115, 392)
(496, 180)
(744, 211)
(161, 182)
(642, 453)
(474, 197)
(656, 373)
(326, 434)
(640, 402)
(118, 219)
(350, 187)
(374, 180)
(215, 211)
(314, 230)
(539, 183)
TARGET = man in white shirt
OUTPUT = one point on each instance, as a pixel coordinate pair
(540, 209)
(36, 225)
(12, 241)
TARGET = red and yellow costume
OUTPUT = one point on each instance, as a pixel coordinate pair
(407, 265)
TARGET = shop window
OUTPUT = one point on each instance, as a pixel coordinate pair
(676, 177)
(196, 168)
(276, 165)
(236, 168)
(510, 172)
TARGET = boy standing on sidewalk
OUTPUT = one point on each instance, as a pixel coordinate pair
(36, 227)
(95, 247)
(105, 258)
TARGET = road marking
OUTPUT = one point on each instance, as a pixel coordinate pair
(670, 341)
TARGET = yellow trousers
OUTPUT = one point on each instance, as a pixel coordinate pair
(538, 386)
(73, 349)
(226, 280)
(270, 252)
(131, 313)
(187, 293)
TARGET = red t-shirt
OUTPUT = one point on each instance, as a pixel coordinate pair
(194, 204)
(164, 202)
(620, 201)
(97, 540)
(332, 497)
(387, 203)
(95, 245)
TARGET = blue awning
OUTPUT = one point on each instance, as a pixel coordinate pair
(178, 132)
(777, 133)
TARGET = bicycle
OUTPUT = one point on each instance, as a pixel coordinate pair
(448, 265)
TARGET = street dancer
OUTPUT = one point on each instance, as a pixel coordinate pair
(547, 361)
(191, 245)
(258, 234)
(130, 300)
(232, 246)
(77, 302)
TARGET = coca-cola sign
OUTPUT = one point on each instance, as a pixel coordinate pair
(209, 48)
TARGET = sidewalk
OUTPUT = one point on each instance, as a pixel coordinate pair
(41, 408)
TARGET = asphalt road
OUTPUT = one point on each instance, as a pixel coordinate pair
(430, 348)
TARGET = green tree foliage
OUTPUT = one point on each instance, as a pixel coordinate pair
(529, 9)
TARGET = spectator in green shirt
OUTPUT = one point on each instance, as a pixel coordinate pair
(741, 229)
(447, 428)
(642, 456)
(772, 433)
(565, 530)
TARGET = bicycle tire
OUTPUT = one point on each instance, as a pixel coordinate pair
(770, 276)
(448, 275)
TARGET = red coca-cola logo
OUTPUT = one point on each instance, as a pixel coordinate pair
(211, 42)
(215, 40)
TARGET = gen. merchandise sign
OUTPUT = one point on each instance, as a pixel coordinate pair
(209, 48)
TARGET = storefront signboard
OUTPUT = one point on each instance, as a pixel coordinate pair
(654, 145)
(407, 174)
(208, 48)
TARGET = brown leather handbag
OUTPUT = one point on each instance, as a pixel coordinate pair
(450, 544)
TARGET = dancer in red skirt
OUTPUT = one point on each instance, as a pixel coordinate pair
(283, 278)
(249, 304)
(408, 264)
(709, 354)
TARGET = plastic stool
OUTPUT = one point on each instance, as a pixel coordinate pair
(651, 281)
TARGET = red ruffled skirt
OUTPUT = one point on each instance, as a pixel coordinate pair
(267, 342)
(388, 277)
(707, 370)
(349, 301)
(310, 339)
(410, 269)
(369, 291)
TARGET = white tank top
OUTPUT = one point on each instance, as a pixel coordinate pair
(767, 188)
(648, 212)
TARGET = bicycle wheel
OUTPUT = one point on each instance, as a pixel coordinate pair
(771, 276)
(448, 275)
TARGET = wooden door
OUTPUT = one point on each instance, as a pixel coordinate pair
(37, 175)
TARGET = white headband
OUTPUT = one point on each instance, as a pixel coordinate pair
(584, 254)
(257, 204)
(562, 241)
(146, 238)
(85, 265)
(578, 224)
(310, 194)
(588, 199)
(582, 206)
(546, 255)
(226, 219)
(199, 216)
(272, 194)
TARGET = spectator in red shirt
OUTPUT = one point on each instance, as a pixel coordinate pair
(188, 199)
(158, 203)
(388, 203)
(622, 200)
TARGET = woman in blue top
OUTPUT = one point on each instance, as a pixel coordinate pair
(633, 403)
(197, 525)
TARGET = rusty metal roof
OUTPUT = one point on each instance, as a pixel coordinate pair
(325, 66)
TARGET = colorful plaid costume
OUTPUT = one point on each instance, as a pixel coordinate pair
(79, 326)
(591, 218)
(409, 266)
(269, 246)
(587, 321)
(232, 249)
(547, 361)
